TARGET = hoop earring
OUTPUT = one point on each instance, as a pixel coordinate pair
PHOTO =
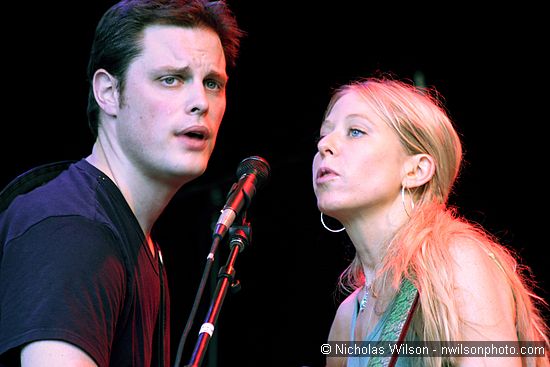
(330, 229)
(403, 200)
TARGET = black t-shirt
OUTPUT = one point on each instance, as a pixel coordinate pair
(74, 266)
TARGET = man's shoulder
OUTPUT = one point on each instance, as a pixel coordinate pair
(71, 193)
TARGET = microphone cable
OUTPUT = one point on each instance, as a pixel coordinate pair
(251, 172)
(198, 297)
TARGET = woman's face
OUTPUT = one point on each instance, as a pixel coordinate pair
(360, 163)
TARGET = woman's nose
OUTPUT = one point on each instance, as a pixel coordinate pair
(326, 145)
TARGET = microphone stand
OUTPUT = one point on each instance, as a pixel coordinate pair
(239, 239)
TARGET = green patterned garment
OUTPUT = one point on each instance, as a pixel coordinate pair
(389, 328)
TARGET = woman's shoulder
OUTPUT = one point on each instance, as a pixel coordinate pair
(478, 261)
(475, 254)
(483, 291)
(348, 304)
(341, 325)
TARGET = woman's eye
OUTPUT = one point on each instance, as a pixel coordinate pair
(355, 133)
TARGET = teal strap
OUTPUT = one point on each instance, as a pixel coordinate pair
(398, 321)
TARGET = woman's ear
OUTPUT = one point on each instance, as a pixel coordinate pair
(106, 92)
(420, 169)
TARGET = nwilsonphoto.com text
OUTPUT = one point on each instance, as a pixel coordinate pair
(434, 349)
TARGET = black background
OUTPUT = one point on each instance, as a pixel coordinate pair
(488, 64)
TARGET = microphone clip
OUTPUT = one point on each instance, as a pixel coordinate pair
(240, 235)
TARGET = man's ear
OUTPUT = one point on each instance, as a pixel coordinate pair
(106, 92)
(419, 169)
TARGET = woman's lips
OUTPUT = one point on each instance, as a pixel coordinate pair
(325, 174)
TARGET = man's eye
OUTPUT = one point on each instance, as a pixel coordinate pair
(213, 84)
(169, 80)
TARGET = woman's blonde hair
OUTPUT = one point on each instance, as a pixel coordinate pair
(421, 247)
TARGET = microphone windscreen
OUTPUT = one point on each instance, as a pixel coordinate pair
(256, 165)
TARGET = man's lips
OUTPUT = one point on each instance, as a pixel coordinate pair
(195, 132)
(195, 137)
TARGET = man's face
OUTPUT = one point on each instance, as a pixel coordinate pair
(173, 103)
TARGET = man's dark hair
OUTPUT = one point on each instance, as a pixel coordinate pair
(118, 35)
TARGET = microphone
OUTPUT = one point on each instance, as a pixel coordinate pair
(252, 173)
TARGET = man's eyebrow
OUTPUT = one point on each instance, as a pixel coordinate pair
(173, 70)
(186, 70)
(222, 77)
